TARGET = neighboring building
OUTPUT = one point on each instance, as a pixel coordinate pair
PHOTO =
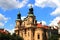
(59, 27)
(3, 31)
(54, 29)
(29, 29)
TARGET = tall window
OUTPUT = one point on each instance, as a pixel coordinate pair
(38, 36)
(22, 34)
(28, 33)
(25, 31)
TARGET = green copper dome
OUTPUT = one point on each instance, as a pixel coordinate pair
(30, 15)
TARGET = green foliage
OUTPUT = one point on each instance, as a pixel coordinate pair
(54, 37)
(16, 37)
(10, 37)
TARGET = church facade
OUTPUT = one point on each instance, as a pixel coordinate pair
(29, 29)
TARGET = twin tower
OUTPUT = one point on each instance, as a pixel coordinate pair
(27, 28)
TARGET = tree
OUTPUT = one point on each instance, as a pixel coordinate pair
(4, 36)
(17, 37)
(54, 37)
(10, 37)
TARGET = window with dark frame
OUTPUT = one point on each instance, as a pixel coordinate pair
(38, 36)
(28, 33)
(25, 31)
(22, 34)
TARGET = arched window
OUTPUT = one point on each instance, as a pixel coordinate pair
(38, 36)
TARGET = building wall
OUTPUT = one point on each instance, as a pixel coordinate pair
(59, 28)
(47, 36)
(39, 32)
(28, 35)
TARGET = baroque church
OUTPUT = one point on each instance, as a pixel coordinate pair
(29, 29)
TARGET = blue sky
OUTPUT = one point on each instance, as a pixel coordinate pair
(47, 11)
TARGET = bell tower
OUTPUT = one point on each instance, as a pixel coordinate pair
(18, 23)
(31, 16)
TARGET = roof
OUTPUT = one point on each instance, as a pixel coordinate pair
(42, 26)
(39, 25)
(30, 15)
(58, 21)
(4, 31)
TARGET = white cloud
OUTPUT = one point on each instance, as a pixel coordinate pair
(52, 4)
(43, 22)
(11, 4)
(30, 5)
(11, 31)
(45, 3)
(23, 17)
(49, 3)
(1, 24)
(38, 22)
(3, 20)
(56, 11)
(2, 17)
(54, 21)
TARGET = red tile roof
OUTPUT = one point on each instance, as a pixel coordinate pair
(3, 31)
(46, 27)
(39, 25)
(56, 27)
(58, 21)
(42, 26)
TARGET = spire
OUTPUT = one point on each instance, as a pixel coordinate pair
(19, 15)
(30, 13)
(31, 9)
